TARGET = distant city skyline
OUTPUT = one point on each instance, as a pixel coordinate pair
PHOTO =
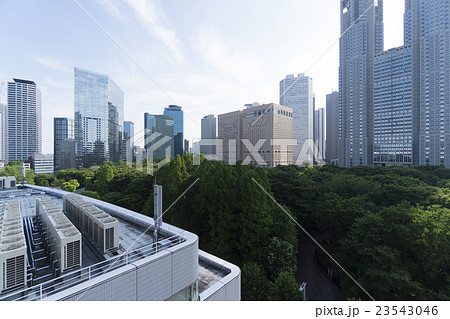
(203, 64)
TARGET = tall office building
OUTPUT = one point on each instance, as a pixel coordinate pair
(230, 133)
(177, 115)
(392, 102)
(427, 29)
(269, 124)
(128, 141)
(3, 132)
(362, 38)
(128, 132)
(319, 134)
(159, 135)
(24, 120)
(332, 126)
(208, 133)
(408, 88)
(98, 118)
(68, 154)
(186, 146)
(62, 130)
(297, 93)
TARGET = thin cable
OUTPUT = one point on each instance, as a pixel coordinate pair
(315, 241)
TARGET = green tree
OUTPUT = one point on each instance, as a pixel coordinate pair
(285, 288)
(90, 194)
(14, 168)
(103, 176)
(44, 180)
(278, 257)
(254, 282)
(70, 186)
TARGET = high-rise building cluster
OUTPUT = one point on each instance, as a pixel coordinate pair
(393, 104)
(391, 109)
(96, 133)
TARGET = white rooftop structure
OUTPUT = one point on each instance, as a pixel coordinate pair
(142, 267)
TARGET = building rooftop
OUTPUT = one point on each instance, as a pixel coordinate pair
(137, 244)
(24, 81)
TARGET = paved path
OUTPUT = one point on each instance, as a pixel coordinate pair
(319, 286)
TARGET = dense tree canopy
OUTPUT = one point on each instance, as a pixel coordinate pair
(388, 226)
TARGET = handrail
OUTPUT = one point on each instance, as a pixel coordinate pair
(76, 277)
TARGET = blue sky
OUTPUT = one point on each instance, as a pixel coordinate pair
(211, 57)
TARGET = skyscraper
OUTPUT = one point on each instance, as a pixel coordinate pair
(297, 93)
(159, 135)
(392, 121)
(274, 125)
(128, 141)
(427, 29)
(62, 130)
(332, 125)
(3, 131)
(401, 119)
(128, 132)
(98, 118)
(177, 115)
(24, 120)
(229, 131)
(362, 38)
(319, 134)
(208, 132)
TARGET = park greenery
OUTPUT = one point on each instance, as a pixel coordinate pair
(14, 168)
(387, 226)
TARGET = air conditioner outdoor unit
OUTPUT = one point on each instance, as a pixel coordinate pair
(64, 238)
(101, 227)
(13, 248)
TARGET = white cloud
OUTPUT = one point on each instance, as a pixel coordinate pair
(152, 19)
(223, 56)
(112, 7)
(53, 63)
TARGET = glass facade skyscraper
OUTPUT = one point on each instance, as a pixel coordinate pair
(177, 114)
(62, 130)
(128, 131)
(163, 141)
(297, 93)
(98, 118)
(24, 120)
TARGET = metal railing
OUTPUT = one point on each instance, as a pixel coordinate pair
(79, 276)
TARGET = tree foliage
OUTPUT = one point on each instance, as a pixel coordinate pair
(70, 186)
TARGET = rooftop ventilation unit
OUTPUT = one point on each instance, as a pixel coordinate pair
(64, 237)
(101, 227)
(13, 248)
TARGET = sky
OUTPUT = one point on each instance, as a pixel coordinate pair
(210, 57)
